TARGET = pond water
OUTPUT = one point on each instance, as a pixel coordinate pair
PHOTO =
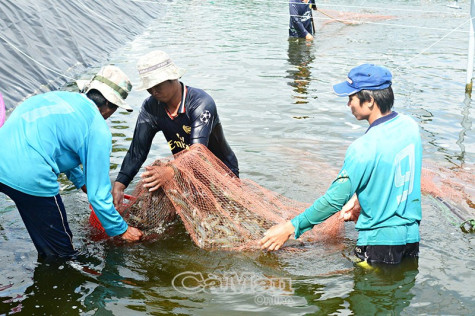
(290, 134)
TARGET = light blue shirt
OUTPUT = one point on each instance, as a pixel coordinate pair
(55, 133)
(383, 167)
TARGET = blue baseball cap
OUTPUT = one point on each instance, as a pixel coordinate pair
(364, 77)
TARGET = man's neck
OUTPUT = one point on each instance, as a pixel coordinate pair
(174, 103)
(376, 114)
(383, 118)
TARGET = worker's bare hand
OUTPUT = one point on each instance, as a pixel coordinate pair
(132, 234)
(276, 236)
(156, 176)
(309, 37)
(118, 194)
(351, 210)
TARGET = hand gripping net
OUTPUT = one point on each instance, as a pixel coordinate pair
(219, 210)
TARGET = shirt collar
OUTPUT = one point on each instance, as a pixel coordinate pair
(182, 108)
(382, 120)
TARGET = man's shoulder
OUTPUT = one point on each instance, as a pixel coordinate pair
(406, 119)
(402, 124)
(361, 147)
(151, 106)
(196, 97)
(197, 92)
(56, 102)
(149, 101)
(58, 97)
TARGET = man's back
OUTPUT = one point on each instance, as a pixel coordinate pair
(384, 167)
(42, 138)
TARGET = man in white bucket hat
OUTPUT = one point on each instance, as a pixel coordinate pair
(184, 114)
(55, 133)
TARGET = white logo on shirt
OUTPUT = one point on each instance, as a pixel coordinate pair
(400, 179)
(205, 117)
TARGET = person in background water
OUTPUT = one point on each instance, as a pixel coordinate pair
(55, 133)
(184, 114)
(301, 19)
(383, 168)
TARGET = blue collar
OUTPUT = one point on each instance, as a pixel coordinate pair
(382, 120)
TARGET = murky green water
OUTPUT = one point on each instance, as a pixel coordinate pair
(290, 134)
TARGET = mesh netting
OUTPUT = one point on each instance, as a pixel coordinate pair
(453, 189)
(219, 210)
(352, 18)
(455, 184)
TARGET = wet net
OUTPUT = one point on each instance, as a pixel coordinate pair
(218, 210)
(453, 191)
(454, 184)
(351, 18)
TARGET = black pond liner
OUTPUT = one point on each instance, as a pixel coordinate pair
(67, 37)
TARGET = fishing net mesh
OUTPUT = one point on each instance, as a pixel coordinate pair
(455, 184)
(218, 210)
(453, 189)
(221, 211)
(350, 18)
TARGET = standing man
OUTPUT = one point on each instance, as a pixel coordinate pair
(383, 168)
(55, 133)
(301, 19)
(184, 114)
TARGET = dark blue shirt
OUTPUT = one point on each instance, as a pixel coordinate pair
(197, 123)
(300, 18)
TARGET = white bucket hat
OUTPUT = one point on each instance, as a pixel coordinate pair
(157, 67)
(112, 82)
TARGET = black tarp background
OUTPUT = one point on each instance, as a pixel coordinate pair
(65, 37)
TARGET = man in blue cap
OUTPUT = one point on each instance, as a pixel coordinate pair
(383, 169)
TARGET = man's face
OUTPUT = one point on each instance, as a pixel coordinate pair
(360, 111)
(107, 111)
(162, 92)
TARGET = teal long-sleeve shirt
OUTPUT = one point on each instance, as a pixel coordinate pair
(55, 133)
(336, 196)
(383, 168)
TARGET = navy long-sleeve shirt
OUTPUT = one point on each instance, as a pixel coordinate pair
(300, 18)
(197, 123)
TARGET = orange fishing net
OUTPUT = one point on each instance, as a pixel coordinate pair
(219, 210)
(455, 184)
(453, 190)
(352, 18)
